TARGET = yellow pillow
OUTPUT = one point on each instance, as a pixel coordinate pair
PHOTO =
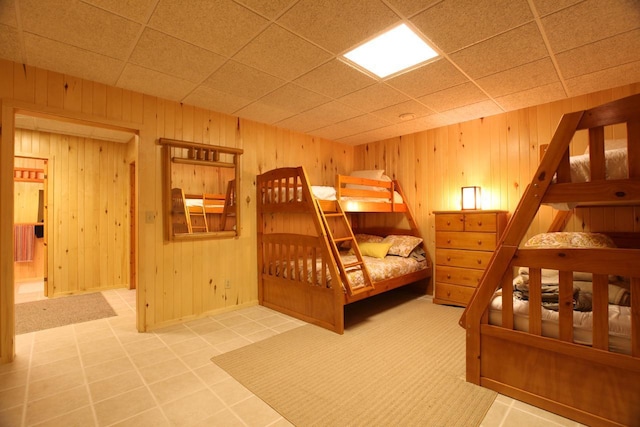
(376, 250)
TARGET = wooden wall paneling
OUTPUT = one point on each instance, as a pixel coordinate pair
(7, 84)
(73, 203)
(24, 82)
(113, 106)
(81, 193)
(72, 96)
(55, 90)
(91, 239)
(99, 100)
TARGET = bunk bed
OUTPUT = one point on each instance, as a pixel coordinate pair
(316, 251)
(193, 213)
(584, 365)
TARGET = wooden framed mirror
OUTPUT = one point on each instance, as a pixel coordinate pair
(201, 186)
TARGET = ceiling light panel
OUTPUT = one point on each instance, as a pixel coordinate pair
(396, 50)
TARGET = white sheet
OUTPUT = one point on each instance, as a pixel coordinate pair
(619, 323)
(327, 193)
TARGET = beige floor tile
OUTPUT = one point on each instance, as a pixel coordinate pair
(150, 418)
(114, 385)
(255, 412)
(189, 346)
(199, 358)
(12, 397)
(124, 406)
(101, 356)
(495, 415)
(232, 344)
(57, 404)
(150, 343)
(193, 408)
(176, 387)
(83, 417)
(98, 344)
(53, 385)
(59, 367)
(165, 369)
(11, 416)
(151, 357)
(231, 391)
(219, 337)
(48, 356)
(13, 379)
(224, 418)
(108, 369)
(211, 374)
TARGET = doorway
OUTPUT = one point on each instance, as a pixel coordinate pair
(87, 194)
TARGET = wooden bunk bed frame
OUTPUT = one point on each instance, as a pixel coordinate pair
(589, 384)
(195, 218)
(297, 226)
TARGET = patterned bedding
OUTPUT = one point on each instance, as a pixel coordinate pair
(379, 268)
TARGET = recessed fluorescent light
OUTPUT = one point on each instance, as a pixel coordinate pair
(391, 52)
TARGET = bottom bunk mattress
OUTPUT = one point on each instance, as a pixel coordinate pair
(619, 311)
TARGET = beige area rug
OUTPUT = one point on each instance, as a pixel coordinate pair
(54, 312)
(401, 362)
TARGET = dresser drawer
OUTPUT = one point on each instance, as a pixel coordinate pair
(461, 258)
(445, 292)
(466, 240)
(450, 222)
(486, 222)
(458, 276)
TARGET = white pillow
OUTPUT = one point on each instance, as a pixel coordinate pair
(369, 174)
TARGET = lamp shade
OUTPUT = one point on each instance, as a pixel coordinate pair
(470, 198)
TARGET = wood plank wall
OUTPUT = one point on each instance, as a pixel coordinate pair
(88, 207)
(499, 153)
(181, 280)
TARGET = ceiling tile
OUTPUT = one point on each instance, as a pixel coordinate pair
(8, 13)
(78, 24)
(338, 25)
(473, 111)
(589, 21)
(152, 82)
(511, 49)
(374, 98)
(10, 47)
(282, 54)
(215, 100)
(518, 79)
(264, 112)
(607, 53)
(349, 127)
(452, 26)
(411, 7)
(545, 7)
(241, 80)
(174, 57)
(136, 10)
(612, 77)
(429, 78)
(454, 97)
(530, 97)
(320, 116)
(294, 98)
(335, 79)
(268, 8)
(50, 55)
(392, 114)
(220, 26)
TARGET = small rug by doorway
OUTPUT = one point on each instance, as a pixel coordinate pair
(401, 361)
(54, 312)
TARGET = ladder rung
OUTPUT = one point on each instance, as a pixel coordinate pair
(342, 239)
(353, 264)
(337, 214)
(362, 290)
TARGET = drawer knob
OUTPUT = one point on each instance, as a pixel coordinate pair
(479, 223)
(448, 222)
(448, 276)
(479, 242)
(479, 261)
(449, 241)
(448, 293)
(448, 258)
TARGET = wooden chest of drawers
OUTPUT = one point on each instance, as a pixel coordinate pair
(465, 241)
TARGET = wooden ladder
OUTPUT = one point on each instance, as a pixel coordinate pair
(201, 216)
(335, 241)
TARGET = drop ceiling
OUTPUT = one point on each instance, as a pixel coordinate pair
(278, 61)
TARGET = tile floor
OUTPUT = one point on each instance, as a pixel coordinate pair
(104, 373)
